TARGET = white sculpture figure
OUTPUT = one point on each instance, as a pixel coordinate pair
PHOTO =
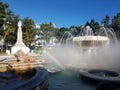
(19, 44)
(19, 35)
(19, 24)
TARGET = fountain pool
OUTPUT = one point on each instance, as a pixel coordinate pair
(86, 52)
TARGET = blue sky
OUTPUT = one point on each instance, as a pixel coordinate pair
(64, 13)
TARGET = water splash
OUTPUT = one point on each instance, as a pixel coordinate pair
(106, 56)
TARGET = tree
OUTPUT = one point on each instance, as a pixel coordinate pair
(10, 27)
(94, 25)
(116, 24)
(48, 30)
(3, 7)
(28, 31)
(105, 21)
(57, 33)
(75, 30)
(6, 24)
(8, 33)
(62, 30)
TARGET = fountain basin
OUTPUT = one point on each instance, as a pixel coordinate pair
(98, 38)
(88, 41)
(27, 81)
(101, 75)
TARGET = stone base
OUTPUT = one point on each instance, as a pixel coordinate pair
(16, 48)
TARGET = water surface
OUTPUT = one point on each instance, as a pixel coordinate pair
(68, 80)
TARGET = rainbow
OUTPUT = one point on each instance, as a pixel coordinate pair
(54, 59)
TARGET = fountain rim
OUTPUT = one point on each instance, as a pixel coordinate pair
(86, 74)
(90, 38)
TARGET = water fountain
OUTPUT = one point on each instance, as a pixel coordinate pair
(24, 71)
(91, 47)
(69, 56)
(86, 37)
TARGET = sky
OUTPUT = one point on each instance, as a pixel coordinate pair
(64, 13)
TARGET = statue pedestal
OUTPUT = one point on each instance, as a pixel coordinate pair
(16, 48)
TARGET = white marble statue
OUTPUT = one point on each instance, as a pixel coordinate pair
(19, 35)
(19, 24)
(19, 44)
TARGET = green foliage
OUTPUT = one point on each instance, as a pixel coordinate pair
(94, 25)
(3, 7)
(57, 33)
(47, 30)
(7, 24)
(10, 27)
(62, 30)
(28, 31)
(75, 30)
(105, 21)
(116, 24)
